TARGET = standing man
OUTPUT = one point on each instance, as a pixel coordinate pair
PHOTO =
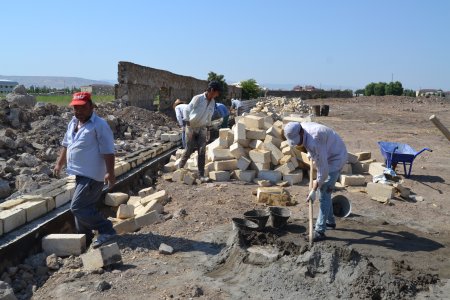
(179, 107)
(329, 154)
(198, 116)
(224, 113)
(88, 149)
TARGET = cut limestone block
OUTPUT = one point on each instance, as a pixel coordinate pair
(247, 176)
(275, 132)
(259, 166)
(115, 199)
(243, 163)
(277, 196)
(125, 211)
(209, 167)
(363, 155)
(275, 153)
(353, 180)
(64, 244)
(262, 182)
(272, 176)
(286, 168)
(134, 200)
(223, 133)
(293, 178)
(352, 158)
(284, 144)
(288, 151)
(252, 121)
(221, 154)
(63, 197)
(149, 219)
(239, 134)
(34, 209)
(211, 147)
(170, 167)
(361, 167)
(145, 192)
(189, 178)
(256, 144)
(285, 159)
(178, 175)
(273, 140)
(347, 169)
(8, 204)
(151, 206)
(255, 134)
(223, 144)
(237, 151)
(101, 257)
(376, 168)
(126, 226)
(220, 175)
(260, 156)
(225, 165)
(160, 197)
(12, 218)
(379, 190)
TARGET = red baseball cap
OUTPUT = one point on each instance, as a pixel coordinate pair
(80, 98)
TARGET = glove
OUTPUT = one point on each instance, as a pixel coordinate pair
(312, 196)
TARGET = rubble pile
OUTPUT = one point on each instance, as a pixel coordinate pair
(277, 107)
(30, 138)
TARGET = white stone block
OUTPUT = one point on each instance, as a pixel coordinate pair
(115, 199)
(34, 209)
(379, 190)
(293, 178)
(255, 134)
(237, 150)
(260, 156)
(260, 166)
(240, 134)
(252, 121)
(225, 165)
(275, 154)
(272, 176)
(125, 211)
(286, 168)
(145, 192)
(149, 219)
(64, 244)
(273, 140)
(247, 176)
(160, 197)
(101, 257)
(12, 218)
(220, 175)
(256, 144)
(353, 180)
(221, 154)
(243, 163)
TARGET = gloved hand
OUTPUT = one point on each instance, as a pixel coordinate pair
(312, 196)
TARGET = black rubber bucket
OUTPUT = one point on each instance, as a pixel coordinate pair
(259, 216)
(243, 224)
(316, 110)
(342, 207)
(324, 110)
(279, 216)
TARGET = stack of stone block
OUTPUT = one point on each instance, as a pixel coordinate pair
(135, 212)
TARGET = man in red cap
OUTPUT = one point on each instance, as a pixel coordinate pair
(88, 150)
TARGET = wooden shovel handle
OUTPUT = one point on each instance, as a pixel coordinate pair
(310, 203)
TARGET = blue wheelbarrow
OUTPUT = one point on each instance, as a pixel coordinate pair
(394, 153)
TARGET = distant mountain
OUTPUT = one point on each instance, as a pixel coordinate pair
(57, 82)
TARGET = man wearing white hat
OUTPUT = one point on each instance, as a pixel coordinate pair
(329, 153)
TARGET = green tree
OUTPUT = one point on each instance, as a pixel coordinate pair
(250, 89)
(370, 89)
(379, 89)
(397, 88)
(409, 93)
(221, 80)
(360, 92)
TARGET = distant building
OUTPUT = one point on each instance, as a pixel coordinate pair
(98, 89)
(7, 86)
(429, 92)
(308, 88)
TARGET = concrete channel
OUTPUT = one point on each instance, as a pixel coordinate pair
(24, 241)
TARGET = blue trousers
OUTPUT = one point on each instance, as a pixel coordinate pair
(326, 206)
(83, 207)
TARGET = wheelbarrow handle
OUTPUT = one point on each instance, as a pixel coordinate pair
(424, 149)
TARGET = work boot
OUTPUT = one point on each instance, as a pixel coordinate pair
(318, 236)
(331, 226)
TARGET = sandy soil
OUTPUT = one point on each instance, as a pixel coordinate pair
(396, 251)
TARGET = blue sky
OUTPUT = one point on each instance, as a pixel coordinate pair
(336, 44)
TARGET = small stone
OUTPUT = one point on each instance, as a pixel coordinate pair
(165, 249)
(52, 262)
(197, 291)
(103, 286)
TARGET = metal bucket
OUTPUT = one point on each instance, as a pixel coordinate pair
(243, 224)
(342, 207)
(279, 216)
(258, 216)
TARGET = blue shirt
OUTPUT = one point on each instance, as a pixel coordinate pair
(85, 148)
(222, 109)
(326, 148)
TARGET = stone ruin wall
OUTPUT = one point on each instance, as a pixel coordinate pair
(141, 86)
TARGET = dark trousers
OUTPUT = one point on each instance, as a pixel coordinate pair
(195, 138)
(83, 207)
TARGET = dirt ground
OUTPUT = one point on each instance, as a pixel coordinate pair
(396, 251)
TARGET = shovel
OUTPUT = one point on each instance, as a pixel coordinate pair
(310, 203)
